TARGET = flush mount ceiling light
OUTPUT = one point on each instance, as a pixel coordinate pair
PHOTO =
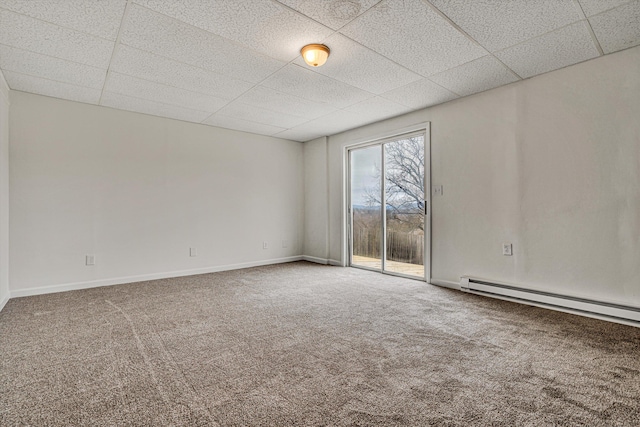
(315, 54)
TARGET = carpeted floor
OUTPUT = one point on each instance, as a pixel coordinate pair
(303, 344)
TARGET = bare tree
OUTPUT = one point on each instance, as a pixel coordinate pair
(404, 182)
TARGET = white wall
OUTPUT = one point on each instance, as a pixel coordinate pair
(316, 203)
(138, 191)
(4, 191)
(550, 164)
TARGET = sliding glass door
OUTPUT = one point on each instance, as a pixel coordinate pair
(389, 174)
(366, 207)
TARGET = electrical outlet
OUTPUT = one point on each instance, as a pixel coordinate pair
(265, 245)
(285, 244)
(437, 190)
(90, 260)
(507, 249)
(193, 251)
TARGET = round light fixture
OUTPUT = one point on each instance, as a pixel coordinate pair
(315, 54)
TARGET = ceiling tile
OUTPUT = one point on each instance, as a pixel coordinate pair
(593, 7)
(298, 134)
(139, 88)
(377, 108)
(414, 35)
(263, 25)
(334, 14)
(235, 123)
(497, 24)
(333, 123)
(41, 37)
(167, 37)
(25, 83)
(260, 115)
(303, 82)
(98, 18)
(560, 48)
(138, 63)
(35, 64)
(476, 76)
(619, 28)
(144, 106)
(274, 100)
(354, 64)
(420, 94)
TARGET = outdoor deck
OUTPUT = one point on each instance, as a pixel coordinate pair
(392, 266)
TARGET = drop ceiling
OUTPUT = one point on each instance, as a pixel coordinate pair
(235, 63)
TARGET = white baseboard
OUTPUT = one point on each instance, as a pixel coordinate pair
(145, 277)
(4, 302)
(445, 284)
(316, 260)
(323, 261)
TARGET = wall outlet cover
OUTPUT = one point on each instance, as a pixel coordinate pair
(90, 260)
(507, 249)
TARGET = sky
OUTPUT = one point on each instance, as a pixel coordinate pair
(365, 172)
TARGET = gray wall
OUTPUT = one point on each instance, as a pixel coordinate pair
(4, 191)
(550, 164)
(138, 191)
(316, 209)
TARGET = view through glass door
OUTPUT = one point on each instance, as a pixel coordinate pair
(390, 174)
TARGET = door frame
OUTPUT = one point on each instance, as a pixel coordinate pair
(425, 129)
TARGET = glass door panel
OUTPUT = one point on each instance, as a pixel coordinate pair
(404, 198)
(366, 207)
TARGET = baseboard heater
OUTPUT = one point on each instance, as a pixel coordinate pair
(601, 310)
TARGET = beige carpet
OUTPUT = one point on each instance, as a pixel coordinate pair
(302, 344)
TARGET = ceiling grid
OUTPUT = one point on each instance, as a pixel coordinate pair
(236, 63)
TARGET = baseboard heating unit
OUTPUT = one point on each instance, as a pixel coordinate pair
(600, 310)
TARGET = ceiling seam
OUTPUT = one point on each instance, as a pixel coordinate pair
(595, 40)
(541, 35)
(422, 76)
(117, 72)
(125, 14)
(156, 102)
(167, 85)
(324, 25)
(297, 12)
(285, 93)
(51, 56)
(256, 85)
(465, 34)
(237, 43)
(355, 41)
(260, 53)
(57, 25)
(258, 123)
(182, 63)
(195, 66)
(51, 80)
(338, 31)
(227, 39)
(140, 112)
(292, 62)
(360, 16)
(4, 84)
